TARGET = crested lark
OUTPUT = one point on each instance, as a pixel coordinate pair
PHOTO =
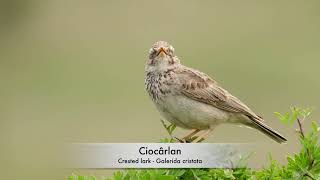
(191, 99)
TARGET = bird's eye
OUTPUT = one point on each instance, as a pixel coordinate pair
(171, 50)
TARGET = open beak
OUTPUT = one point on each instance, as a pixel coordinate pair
(162, 52)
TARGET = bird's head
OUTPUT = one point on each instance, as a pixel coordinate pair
(161, 55)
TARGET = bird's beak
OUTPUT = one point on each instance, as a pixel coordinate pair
(162, 52)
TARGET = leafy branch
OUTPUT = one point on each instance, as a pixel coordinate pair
(306, 163)
(170, 128)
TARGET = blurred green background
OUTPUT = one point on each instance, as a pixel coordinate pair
(73, 71)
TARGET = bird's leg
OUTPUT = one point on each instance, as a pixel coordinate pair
(202, 136)
(192, 133)
(180, 140)
(188, 137)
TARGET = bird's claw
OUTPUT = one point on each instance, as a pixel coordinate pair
(183, 140)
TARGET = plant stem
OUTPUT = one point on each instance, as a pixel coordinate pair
(300, 127)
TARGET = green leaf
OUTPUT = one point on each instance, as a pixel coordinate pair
(72, 177)
(166, 177)
(170, 128)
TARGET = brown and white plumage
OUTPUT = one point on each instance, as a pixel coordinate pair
(191, 99)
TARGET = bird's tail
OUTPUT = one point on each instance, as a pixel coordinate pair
(258, 124)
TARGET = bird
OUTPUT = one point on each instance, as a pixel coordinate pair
(192, 100)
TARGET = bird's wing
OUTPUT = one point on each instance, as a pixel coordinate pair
(200, 87)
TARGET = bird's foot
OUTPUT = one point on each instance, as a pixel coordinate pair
(191, 134)
(197, 139)
(202, 137)
(181, 140)
(185, 140)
